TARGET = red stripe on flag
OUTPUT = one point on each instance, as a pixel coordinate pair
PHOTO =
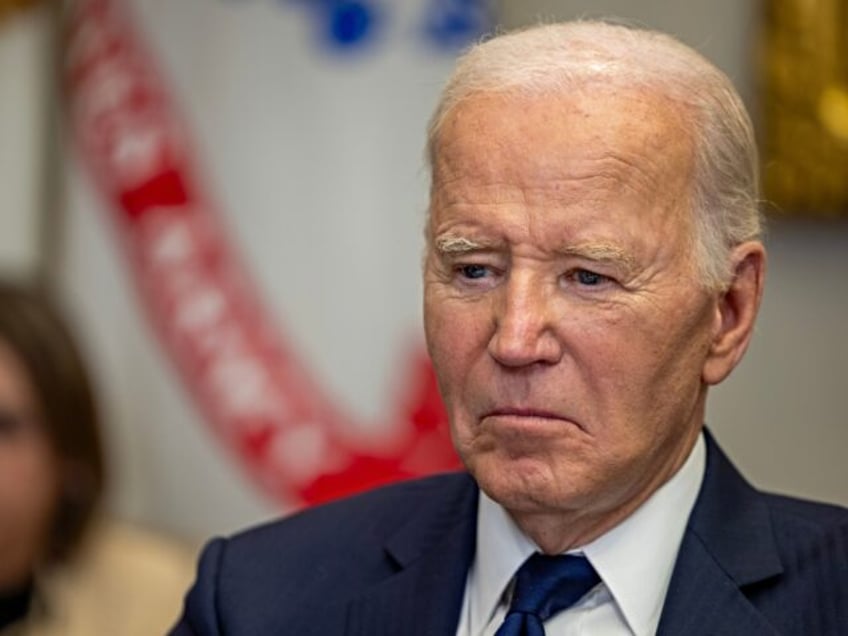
(257, 396)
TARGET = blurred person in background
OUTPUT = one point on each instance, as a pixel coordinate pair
(64, 568)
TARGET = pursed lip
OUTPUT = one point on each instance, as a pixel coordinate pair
(529, 419)
(510, 411)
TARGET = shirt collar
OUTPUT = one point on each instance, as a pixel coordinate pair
(634, 559)
(501, 549)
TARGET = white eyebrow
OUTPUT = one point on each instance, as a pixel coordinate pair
(597, 251)
(452, 244)
(602, 253)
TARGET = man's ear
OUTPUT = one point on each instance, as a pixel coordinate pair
(736, 311)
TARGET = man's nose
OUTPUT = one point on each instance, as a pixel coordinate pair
(525, 324)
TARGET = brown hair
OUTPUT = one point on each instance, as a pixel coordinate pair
(33, 327)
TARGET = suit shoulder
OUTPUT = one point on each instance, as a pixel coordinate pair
(806, 515)
(270, 578)
(815, 535)
(329, 551)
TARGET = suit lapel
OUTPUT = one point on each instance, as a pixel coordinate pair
(433, 553)
(728, 544)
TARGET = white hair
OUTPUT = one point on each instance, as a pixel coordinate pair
(556, 58)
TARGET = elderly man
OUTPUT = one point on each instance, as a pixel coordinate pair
(593, 266)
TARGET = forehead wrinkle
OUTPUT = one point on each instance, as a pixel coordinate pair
(610, 174)
(594, 178)
(469, 189)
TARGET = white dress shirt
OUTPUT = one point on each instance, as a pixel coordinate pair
(634, 560)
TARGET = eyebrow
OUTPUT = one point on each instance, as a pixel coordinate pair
(600, 252)
(454, 244)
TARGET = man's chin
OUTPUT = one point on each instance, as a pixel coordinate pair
(524, 486)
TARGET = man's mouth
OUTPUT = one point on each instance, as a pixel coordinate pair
(524, 420)
(523, 412)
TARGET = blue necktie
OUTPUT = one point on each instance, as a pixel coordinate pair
(545, 585)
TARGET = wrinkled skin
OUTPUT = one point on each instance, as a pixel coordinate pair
(571, 334)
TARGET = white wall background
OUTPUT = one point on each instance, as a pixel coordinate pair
(24, 54)
(781, 415)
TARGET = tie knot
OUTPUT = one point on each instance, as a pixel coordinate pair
(545, 585)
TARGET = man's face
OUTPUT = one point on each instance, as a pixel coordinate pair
(563, 310)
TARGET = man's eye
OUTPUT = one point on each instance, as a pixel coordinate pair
(589, 278)
(473, 271)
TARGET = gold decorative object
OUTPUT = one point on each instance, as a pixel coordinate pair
(805, 106)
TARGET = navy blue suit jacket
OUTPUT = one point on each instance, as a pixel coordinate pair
(393, 562)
